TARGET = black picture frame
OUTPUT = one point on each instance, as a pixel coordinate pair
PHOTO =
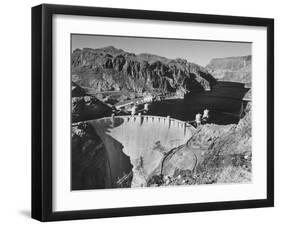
(42, 107)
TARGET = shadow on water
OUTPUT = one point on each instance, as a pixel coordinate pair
(224, 101)
(208, 77)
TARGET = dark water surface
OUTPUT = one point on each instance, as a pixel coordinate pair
(224, 102)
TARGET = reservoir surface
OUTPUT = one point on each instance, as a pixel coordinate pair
(225, 102)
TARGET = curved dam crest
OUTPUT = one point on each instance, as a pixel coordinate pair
(144, 140)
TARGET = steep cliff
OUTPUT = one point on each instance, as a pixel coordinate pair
(96, 164)
(89, 168)
(235, 69)
(109, 68)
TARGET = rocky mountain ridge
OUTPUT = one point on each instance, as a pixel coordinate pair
(112, 69)
(235, 69)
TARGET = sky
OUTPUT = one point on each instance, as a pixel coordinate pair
(196, 51)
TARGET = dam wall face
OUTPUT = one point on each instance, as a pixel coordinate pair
(141, 140)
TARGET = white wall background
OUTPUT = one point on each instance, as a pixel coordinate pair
(15, 111)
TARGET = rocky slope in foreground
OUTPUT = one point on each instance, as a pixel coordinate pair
(108, 69)
(89, 159)
(222, 155)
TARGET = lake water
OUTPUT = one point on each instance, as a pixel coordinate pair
(224, 102)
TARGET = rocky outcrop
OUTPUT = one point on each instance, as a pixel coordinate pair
(215, 154)
(85, 107)
(228, 159)
(89, 168)
(114, 69)
(235, 69)
(97, 162)
(230, 63)
(77, 91)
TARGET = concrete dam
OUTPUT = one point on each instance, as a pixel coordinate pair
(137, 145)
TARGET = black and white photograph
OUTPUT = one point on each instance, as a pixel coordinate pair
(142, 112)
(137, 113)
(155, 112)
